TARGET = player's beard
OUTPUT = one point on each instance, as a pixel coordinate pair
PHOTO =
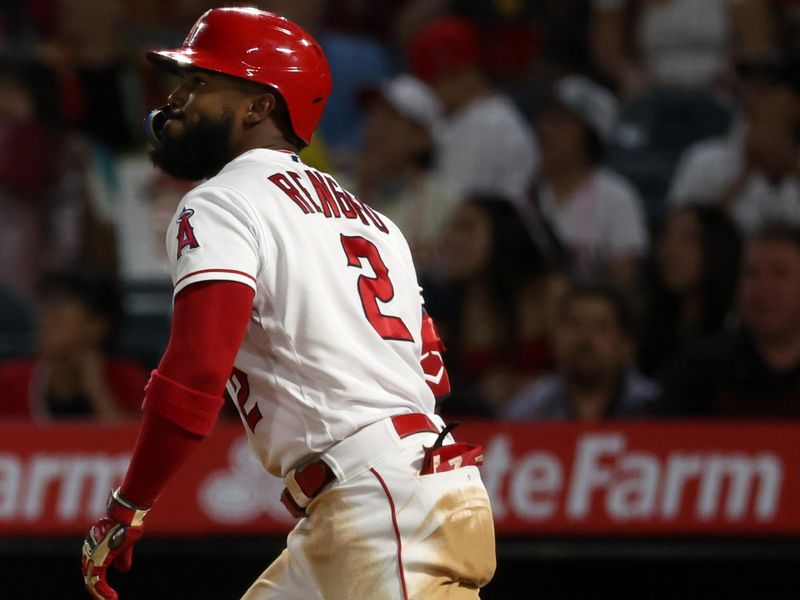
(201, 151)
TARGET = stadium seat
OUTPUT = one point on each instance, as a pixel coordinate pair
(17, 327)
(143, 330)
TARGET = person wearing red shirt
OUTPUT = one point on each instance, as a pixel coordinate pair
(71, 375)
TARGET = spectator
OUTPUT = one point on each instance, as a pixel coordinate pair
(28, 171)
(787, 20)
(356, 60)
(593, 343)
(83, 208)
(510, 45)
(522, 42)
(595, 212)
(87, 53)
(754, 174)
(394, 171)
(564, 29)
(691, 294)
(148, 200)
(485, 144)
(531, 42)
(493, 310)
(754, 371)
(683, 43)
(72, 376)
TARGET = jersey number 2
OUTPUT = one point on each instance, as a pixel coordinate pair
(372, 289)
(241, 390)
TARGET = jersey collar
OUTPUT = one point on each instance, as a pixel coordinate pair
(283, 154)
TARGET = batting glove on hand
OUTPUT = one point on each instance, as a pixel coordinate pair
(110, 541)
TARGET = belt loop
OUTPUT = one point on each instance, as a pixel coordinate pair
(305, 484)
(297, 493)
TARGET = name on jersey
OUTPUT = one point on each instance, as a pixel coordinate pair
(328, 198)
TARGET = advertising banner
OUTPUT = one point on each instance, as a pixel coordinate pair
(610, 479)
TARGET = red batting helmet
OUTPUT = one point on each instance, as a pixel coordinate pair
(263, 47)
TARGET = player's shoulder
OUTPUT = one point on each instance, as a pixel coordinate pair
(252, 169)
(394, 232)
(346, 184)
(219, 199)
(242, 182)
(396, 239)
(214, 193)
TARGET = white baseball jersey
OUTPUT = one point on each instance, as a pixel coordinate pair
(333, 343)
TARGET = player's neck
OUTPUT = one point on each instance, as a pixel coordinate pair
(269, 139)
(280, 145)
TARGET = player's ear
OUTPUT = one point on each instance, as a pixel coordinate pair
(259, 108)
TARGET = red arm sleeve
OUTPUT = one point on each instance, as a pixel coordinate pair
(184, 394)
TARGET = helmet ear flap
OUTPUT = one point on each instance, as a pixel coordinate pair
(282, 118)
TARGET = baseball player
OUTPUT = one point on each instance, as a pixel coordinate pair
(300, 303)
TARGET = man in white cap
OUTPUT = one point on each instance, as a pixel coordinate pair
(395, 172)
(752, 173)
(485, 144)
(596, 213)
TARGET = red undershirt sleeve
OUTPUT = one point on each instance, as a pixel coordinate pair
(185, 393)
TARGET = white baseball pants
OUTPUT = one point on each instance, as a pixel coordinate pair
(389, 533)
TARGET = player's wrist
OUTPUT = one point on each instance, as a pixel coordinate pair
(124, 511)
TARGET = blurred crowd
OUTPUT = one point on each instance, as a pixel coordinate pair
(602, 196)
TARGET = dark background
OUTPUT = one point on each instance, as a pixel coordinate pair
(527, 569)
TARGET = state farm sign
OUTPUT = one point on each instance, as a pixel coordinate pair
(544, 479)
(608, 480)
(55, 479)
(68, 486)
(641, 477)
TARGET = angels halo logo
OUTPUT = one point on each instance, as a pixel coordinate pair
(186, 237)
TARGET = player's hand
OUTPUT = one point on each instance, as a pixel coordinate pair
(110, 541)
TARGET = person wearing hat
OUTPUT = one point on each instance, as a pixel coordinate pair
(753, 173)
(639, 45)
(395, 169)
(596, 213)
(485, 144)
